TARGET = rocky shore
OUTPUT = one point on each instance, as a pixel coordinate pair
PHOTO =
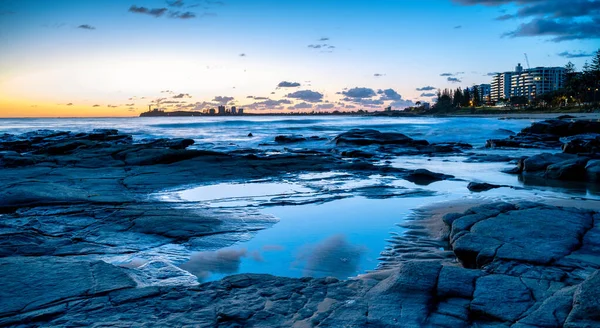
(69, 199)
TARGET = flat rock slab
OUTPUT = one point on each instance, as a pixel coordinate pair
(29, 284)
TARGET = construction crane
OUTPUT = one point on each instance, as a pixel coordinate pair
(527, 61)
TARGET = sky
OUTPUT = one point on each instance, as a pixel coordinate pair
(68, 58)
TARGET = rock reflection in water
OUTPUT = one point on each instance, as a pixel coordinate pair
(334, 256)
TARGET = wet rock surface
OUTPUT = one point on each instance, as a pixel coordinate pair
(548, 134)
(70, 198)
(577, 140)
(365, 137)
(502, 271)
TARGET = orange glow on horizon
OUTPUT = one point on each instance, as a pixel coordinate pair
(23, 109)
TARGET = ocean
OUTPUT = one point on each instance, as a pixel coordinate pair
(232, 132)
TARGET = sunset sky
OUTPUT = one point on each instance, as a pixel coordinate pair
(116, 57)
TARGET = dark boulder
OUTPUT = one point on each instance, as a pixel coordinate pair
(425, 177)
(588, 144)
(547, 134)
(178, 143)
(482, 186)
(365, 137)
(572, 169)
(541, 161)
(563, 128)
(565, 117)
(289, 139)
(62, 148)
(592, 170)
(357, 154)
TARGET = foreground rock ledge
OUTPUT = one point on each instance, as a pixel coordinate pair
(519, 265)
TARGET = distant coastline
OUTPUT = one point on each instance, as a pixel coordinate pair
(472, 112)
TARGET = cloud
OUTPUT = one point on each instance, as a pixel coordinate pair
(201, 105)
(70, 104)
(359, 93)
(454, 80)
(427, 88)
(334, 256)
(6, 12)
(86, 27)
(575, 54)
(268, 104)
(378, 75)
(223, 100)
(389, 94)
(184, 15)
(559, 20)
(156, 12)
(560, 9)
(55, 25)
(427, 95)
(286, 84)
(558, 30)
(306, 95)
(175, 3)
(402, 104)
(242, 55)
(182, 95)
(505, 17)
(223, 261)
(492, 73)
(323, 39)
(96, 106)
(302, 105)
(315, 46)
(457, 27)
(325, 106)
(365, 102)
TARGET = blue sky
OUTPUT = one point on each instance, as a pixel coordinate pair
(114, 57)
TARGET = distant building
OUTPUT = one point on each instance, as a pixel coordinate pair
(388, 109)
(212, 111)
(530, 83)
(500, 87)
(240, 111)
(485, 91)
(233, 110)
(221, 110)
(537, 81)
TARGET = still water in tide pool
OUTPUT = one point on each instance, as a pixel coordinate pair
(332, 237)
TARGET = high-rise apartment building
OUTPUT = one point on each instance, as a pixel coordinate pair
(530, 83)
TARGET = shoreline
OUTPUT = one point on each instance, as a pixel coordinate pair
(72, 198)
